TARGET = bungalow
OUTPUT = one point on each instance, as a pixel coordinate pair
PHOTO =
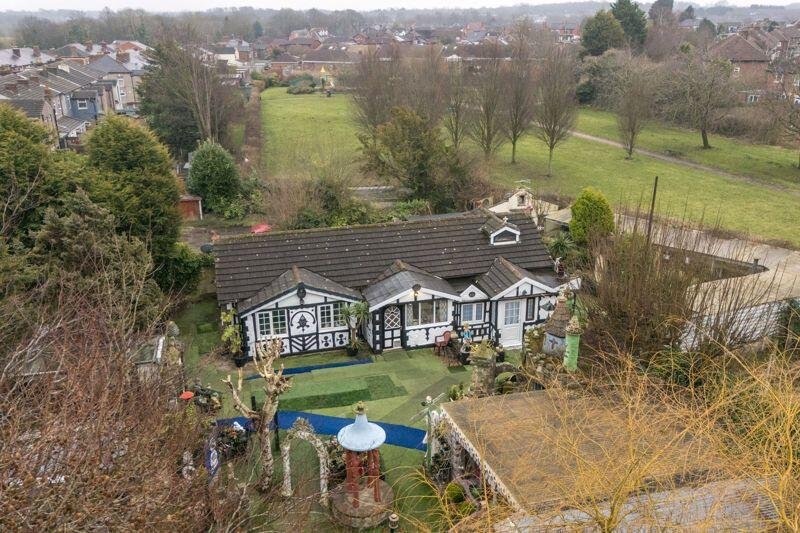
(419, 279)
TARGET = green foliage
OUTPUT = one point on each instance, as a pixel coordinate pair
(24, 181)
(136, 184)
(214, 177)
(561, 245)
(678, 367)
(120, 144)
(300, 89)
(632, 19)
(181, 269)
(602, 32)
(231, 335)
(454, 493)
(406, 208)
(465, 509)
(78, 252)
(591, 216)
(409, 151)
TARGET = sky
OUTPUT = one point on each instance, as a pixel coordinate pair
(194, 5)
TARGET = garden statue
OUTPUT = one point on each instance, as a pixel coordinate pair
(554, 329)
(573, 331)
(364, 500)
(275, 384)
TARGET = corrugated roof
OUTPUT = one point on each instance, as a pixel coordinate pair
(355, 256)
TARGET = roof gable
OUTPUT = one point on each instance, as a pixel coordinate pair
(400, 278)
(292, 279)
(737, 48)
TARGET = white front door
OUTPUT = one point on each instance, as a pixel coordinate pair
(509, 322)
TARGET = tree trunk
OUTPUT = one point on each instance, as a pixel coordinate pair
(704, 135)
(798, 160)
(550, 163)
(513, 151)
(265, 436)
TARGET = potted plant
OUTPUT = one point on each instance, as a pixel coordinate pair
(355, 315)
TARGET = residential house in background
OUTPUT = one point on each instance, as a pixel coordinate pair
(114, 70)
(16, 59)
(420, 278)
(750, 64)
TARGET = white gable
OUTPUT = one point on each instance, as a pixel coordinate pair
(473, 293)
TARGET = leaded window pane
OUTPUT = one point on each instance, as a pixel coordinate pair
(279, 322)
(441, 311)
(426, 312)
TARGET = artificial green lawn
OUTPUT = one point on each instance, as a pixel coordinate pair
(299, 127)
(393, 386)
(773, 164)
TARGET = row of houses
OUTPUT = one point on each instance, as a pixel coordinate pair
(762, 57)
(70, 88)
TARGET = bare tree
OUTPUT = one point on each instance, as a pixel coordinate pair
(456, 116)
(519, 87)
(556, 107)
(375, 82)
(486, 125)
(426, 85)
(782, 106)
(275, 384)
(697, 91)
(634, 94)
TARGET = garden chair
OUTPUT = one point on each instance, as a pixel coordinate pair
(441, 342)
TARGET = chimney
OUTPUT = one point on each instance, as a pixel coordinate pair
(123, 57)
(36, 51)
(48, 93)
(34, 78)
(11, 87)
(15, 52)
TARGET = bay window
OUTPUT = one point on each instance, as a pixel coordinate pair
(427, 312)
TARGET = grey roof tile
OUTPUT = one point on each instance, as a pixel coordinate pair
(356, 256)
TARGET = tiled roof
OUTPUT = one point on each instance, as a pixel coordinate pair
(401, 277)
(355, 256)
(27, 56)
(737, 48)
(328, 54)
(108, 65)
(32, 108)
(289, 280)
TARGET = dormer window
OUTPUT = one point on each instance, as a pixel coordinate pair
(504, 236)
(499, 230)
(521, 200)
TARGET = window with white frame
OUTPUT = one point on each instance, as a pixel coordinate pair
(752, 98)
(511, 313)
(427, 312)
(271, 323)
(472, 312)
(82, 104)
(736, 70)
(330, 315)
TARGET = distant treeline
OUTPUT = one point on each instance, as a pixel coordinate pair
(49, 29)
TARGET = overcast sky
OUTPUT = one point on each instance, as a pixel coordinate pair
(181, 5)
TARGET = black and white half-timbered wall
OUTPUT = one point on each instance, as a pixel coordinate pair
(419, 279)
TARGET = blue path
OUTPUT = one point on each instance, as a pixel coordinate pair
(397, 435)
(304, 369)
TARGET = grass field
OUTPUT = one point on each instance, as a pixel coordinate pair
(773, 164)
(300, 128)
